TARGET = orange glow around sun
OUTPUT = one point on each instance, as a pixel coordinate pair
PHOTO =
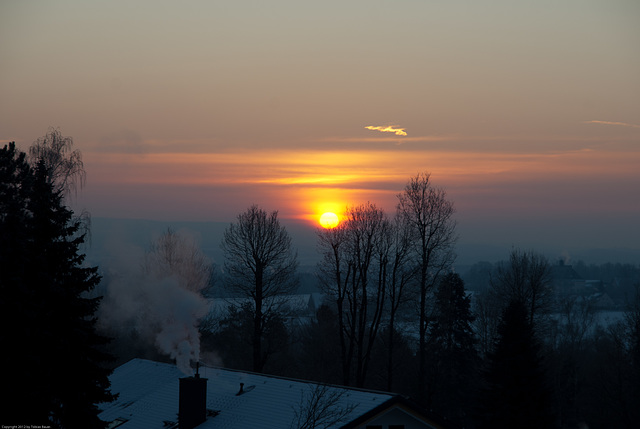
(329, 220)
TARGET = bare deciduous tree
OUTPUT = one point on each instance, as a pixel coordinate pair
(176, 255)
(526, 277)
(577, 316)
(64, 167)
(368, 248)
(632, 322)
(260, 264)
(487, 310)
(63, 164)
(334, 273)
(355, 257)
(429, 215)
(401, 274)
(320, 408)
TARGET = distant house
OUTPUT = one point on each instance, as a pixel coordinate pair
(158, 395)
(601, 301)
(566, 281)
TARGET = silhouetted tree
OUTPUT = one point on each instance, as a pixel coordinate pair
(576, 317)
(429, 215)
(320, 408)
(260, 264)
(320, 348)
(334, 273)
(232, 339)
(632, 322)
(488, 309)
(401, 273)
(353, 275)
(48, 320)
(567, 349)
(64, 169)
(526, 277)
(608, 399)
(516, 394)
(63, 165)
(176, 255)
(403, 360)
(453, 360)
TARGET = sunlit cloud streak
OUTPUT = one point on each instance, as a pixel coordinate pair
(301, 183)
(622, 124)
(388, 129)
(346, 168)
(338, 139)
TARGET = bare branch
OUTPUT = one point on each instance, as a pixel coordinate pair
(174, 254)
(260, 264)
(320, 408)
(429, 215)
(63, 164)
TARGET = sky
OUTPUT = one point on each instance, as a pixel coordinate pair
(527, 113)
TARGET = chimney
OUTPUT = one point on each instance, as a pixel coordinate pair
(192, 406)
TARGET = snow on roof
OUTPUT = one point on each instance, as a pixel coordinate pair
(148, 398)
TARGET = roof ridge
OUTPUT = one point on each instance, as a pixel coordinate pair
(299, 380)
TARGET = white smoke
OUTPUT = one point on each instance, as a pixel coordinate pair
(178, 313)
(161, 306)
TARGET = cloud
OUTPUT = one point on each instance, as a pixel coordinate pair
(389, 139)
(123, 140)
(388, 129)
(623, 124)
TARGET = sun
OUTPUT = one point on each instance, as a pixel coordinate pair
(329, 220)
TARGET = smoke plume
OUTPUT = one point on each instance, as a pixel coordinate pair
(162, 306)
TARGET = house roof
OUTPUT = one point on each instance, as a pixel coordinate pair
(148, 398)
(400, 402)
(564, 272)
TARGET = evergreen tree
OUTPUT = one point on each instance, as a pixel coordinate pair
(516, 394)
(52, 353)
(453, 359)
(320, 348)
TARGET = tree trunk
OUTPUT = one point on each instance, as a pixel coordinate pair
(257, 324)
(390, 352)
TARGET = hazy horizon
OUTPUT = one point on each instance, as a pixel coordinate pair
(112, 238)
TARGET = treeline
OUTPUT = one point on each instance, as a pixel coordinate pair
(372, 267)
(396, 317)
(504, 358)
(615, 279)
